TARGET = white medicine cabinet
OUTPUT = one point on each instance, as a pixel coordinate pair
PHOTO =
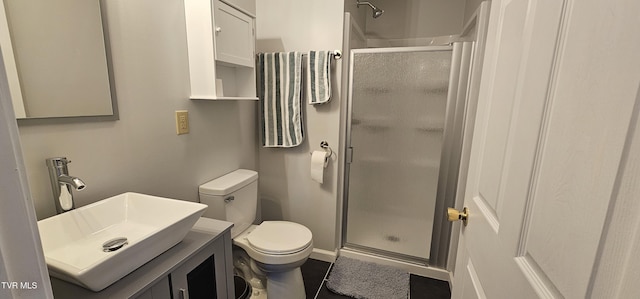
(221, 47)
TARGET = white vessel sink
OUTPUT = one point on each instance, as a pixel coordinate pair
(73, 241)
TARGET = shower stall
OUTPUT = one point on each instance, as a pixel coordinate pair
(403, 140)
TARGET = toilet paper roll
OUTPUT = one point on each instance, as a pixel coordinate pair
(318, 164)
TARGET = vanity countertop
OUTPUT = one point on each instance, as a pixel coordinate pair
(203, 233)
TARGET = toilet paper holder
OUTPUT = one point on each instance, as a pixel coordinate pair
(329, 152)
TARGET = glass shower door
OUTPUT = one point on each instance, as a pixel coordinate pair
(398, 102)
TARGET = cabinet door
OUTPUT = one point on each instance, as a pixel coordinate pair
(205, 275)
(161, 290)
(234, 36)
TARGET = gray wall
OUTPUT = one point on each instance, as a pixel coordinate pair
(358, 14)
(286, 189)
(141, 152)
(470, 7)
(404, 19)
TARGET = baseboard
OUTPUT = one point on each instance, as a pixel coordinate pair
(450, 280)
(426, 271)
(324, 255)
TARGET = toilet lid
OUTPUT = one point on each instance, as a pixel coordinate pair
(279, 237)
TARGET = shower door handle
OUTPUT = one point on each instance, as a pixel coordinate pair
(349, 155)
(455, 215)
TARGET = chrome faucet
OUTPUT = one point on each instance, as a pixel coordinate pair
(61, 183)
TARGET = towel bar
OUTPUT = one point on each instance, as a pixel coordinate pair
(336, 54)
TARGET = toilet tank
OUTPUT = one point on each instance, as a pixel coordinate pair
(232, 197)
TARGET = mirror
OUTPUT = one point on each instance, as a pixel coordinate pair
(56, 58)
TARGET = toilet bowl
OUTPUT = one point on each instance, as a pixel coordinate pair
(277, 249)
(276, 243)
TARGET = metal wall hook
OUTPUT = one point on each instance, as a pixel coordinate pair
(337, 54)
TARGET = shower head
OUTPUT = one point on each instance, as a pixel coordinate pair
(376, 11)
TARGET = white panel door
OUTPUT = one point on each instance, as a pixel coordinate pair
(558, 90)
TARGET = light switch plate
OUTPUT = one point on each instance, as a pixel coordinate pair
(182, 122)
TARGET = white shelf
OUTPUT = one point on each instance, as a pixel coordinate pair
(378, 124)
(225, 98)
(422, 163)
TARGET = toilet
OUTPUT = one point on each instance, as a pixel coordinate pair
(274, 250)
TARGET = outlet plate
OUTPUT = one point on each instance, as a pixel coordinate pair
(182, 122)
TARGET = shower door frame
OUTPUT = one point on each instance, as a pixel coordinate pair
(444, 230)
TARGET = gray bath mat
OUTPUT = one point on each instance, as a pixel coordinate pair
(364, 280)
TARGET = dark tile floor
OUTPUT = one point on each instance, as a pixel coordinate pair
(315, 273)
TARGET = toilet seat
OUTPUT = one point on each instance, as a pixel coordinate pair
(280, 238)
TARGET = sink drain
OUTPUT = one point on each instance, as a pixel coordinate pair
(114, 244)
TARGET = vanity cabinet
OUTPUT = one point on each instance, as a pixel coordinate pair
(160, 290)
(200, 266)
(194, 279)
(221, 49)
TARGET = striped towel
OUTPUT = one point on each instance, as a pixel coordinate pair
(319, 77)
(280, 88)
